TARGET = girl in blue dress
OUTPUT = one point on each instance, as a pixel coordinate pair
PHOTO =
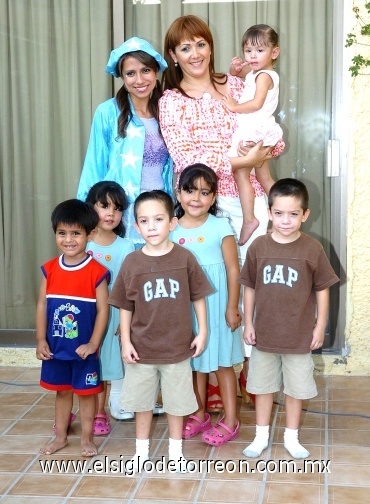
(212, 241)
(109, 247)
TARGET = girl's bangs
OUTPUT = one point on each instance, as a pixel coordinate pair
(258, 39)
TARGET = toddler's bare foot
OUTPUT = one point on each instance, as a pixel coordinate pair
(247, 230)
(88, 449)
(53, 446)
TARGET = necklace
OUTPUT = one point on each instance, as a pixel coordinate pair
(206, 95)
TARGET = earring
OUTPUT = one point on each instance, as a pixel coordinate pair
(176, 64)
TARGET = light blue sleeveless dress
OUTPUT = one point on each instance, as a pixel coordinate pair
(112, 257)
(223, 348)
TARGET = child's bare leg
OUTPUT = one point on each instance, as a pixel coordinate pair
(101, 399)
(200, 390)
(175, 424)
(200, 420)
(87, 414)
(263, 176)
(213, 398)
(293, 409)
(63, 408)
(227, 381)
(143, 424)
(264, 404)
(246, 196)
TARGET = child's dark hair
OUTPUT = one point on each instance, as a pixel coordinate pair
(155, 195)
(260, 35)
(186, 181)
(75, 212)
(289, 187)
(101, 191)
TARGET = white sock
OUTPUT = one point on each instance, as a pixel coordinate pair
(259, 443)
(292, 444)
(115, 394)
(175, 455)
(135, 464)
(116, 386)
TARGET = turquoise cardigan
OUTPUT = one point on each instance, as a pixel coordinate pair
(109, 157)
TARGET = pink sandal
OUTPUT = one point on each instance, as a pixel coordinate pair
(72, 418)
(191, 429)
(101, 425)
(215, 437)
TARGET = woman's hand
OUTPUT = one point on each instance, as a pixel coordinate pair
(245, 147)
(251, 155)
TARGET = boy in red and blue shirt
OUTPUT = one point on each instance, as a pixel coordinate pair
(71, 317)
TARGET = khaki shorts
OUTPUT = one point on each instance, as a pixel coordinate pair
(269, 371)
(142, 382)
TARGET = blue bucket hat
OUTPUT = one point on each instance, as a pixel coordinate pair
(131, 45)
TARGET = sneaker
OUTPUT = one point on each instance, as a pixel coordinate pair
(122, 414)
(119, 413)
(158, 409)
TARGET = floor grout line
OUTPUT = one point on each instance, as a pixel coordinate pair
(202, 479)
(326, 449)
(268, 453)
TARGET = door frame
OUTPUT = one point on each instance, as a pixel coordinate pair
(339, 172)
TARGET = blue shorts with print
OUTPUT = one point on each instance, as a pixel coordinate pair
(80, 376)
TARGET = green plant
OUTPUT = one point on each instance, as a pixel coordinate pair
(360, 63)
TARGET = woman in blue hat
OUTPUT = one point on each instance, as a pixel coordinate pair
(125, 143)
(126, 147)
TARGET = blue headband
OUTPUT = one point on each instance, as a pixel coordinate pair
(131, 45)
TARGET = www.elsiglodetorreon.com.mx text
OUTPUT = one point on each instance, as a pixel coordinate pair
(162, 465)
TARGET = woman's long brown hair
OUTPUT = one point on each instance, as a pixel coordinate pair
(122, 94)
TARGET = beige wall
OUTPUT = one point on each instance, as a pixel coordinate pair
(357, 362)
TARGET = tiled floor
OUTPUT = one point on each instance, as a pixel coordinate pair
(336, 430)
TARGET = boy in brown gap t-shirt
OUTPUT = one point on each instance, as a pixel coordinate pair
(286, 275)
(154, 291)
